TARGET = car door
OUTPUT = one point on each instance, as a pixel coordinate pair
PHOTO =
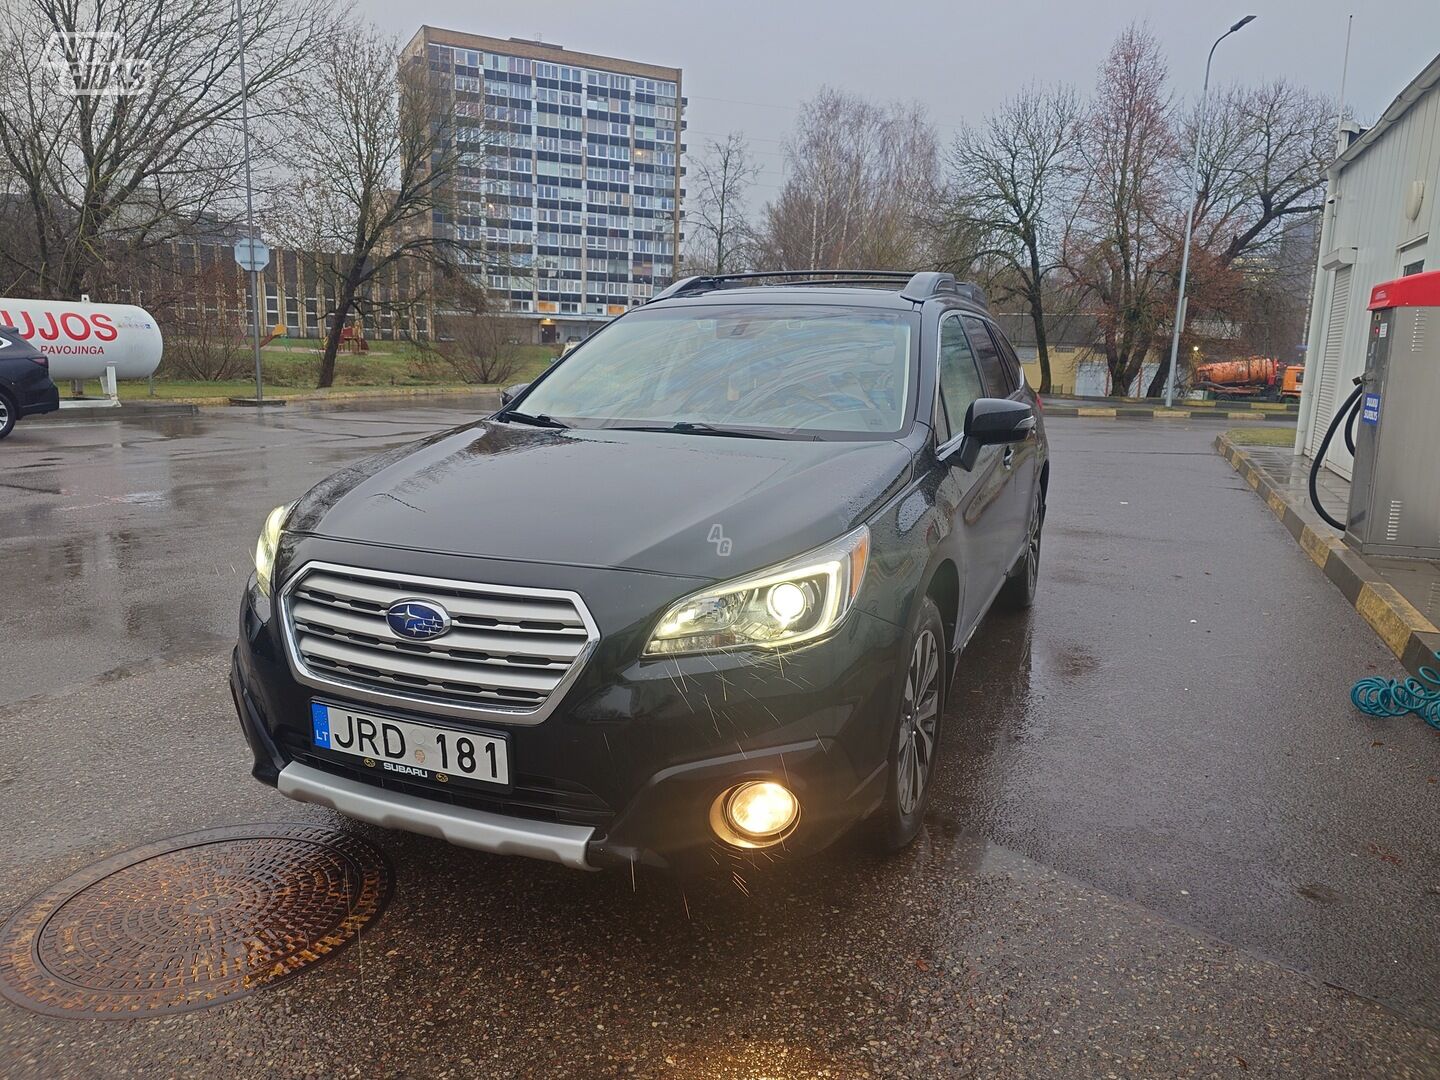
(975, 495)
(1015, 481)
(1029, 455)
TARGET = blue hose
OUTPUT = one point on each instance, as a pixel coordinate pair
(1379, 696)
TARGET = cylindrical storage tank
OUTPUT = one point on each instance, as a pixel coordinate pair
(1252, 372)
(82, 339)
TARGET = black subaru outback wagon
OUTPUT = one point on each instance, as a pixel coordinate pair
(702, 583)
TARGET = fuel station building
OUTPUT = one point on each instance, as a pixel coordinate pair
(1381, 222)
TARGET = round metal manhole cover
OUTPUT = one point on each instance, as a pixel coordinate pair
(191, 921)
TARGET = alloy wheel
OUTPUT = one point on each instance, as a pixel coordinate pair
(1032, 568)
(919, 722)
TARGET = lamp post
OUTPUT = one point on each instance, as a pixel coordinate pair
(249, 205)
(1190, 218)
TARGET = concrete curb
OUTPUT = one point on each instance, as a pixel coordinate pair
(1185, 404)
(102, 412)
(1132, 412)
(1408, 634)
(192, 406)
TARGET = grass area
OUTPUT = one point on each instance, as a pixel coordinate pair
(1280, 435)
(291, 370)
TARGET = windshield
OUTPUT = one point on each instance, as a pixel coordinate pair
(809, 371)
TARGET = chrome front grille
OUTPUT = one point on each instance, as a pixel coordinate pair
(510, 652)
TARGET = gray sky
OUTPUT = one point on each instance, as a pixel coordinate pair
(747, 63)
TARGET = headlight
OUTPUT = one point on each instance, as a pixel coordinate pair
(266, 545)
(794, 602)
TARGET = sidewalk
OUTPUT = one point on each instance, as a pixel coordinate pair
(1399, 598)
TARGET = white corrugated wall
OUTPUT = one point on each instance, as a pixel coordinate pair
(1369, 215)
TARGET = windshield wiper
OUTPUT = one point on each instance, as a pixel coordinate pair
(686, 427)
(533, 419)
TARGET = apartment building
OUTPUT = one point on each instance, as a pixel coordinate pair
(569, 200)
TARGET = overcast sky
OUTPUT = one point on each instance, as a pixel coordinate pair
(747, 63)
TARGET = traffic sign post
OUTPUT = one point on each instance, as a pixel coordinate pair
(252, 254)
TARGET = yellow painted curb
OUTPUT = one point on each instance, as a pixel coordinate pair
(1201, 404)
(1276, 502)
(1271, 406)
(1247, 415)
(1082, 411)
(1172, 414)
(1318, 546)
(1391, 616)
(1252, 477)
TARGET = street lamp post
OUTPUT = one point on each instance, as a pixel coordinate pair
(249, 204)
(1190, 219)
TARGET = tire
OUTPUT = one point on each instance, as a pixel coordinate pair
(915, 743)
(9, 414)
(1018, 592)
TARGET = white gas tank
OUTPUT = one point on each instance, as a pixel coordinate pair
(82, 339)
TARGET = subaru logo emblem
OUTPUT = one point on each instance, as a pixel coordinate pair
(417, 619)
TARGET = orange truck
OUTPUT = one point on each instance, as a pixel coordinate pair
(1250, 377)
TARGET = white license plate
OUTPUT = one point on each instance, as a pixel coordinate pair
(416, 751)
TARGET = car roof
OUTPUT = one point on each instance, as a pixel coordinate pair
(793, 294)
(886, 289)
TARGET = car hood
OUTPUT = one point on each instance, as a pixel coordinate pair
(685, 505)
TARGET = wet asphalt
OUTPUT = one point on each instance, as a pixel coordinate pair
(1161, 843)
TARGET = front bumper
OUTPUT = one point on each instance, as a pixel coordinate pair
(627, 766)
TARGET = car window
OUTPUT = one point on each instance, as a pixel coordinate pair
(1007, 354)
(959, 379)
(824, 371)
(987, 358)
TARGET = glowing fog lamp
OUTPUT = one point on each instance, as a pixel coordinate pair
(755, 814)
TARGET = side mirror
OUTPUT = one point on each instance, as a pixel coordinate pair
(991, 421)
(510, 393)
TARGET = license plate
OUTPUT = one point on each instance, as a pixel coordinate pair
(408, 750)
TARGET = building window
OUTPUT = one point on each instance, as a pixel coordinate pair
(1413, 268)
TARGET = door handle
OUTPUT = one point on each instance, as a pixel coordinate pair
(1008, 458)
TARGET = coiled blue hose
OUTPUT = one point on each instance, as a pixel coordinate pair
(1390, 697)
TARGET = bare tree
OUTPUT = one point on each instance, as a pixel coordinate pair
(474, 337)
(373, 160)
(858, 174)
(119, 122)
(1007, 182)
(1263, 159)
(720, 180)
(205, 325)
(1117, 252)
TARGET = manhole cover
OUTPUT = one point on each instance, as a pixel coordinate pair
(191, 921)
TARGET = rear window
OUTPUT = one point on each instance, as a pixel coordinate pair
(987, 356)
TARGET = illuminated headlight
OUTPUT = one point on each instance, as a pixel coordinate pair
(794, 602)
(755, 814)
(267, 544)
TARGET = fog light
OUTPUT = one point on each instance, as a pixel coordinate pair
(755, 814)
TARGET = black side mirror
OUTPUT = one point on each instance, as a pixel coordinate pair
(510, 393)
(990, 421)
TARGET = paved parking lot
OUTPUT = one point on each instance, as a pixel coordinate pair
(1162, 843)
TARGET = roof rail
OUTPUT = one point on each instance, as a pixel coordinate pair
(918, 287)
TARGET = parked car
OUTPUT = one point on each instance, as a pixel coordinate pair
(25, 385)
(698, 588)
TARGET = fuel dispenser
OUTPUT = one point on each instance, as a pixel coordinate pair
(1395, 483)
